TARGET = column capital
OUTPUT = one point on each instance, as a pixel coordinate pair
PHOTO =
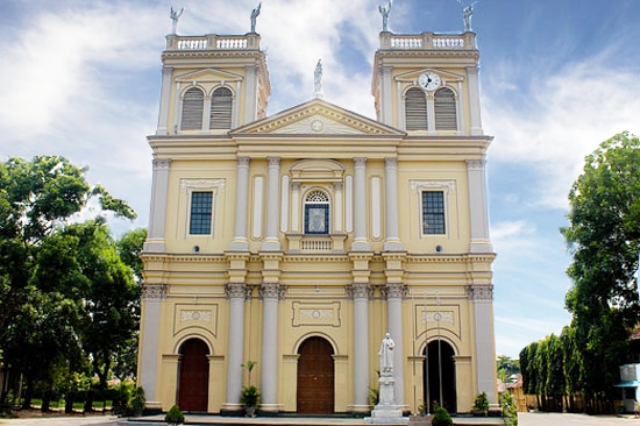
(161, 163)
(360, 161)
(238, 291)
(154, 291)
(476, 164)
(337, 186)
(359, 291)
(394, 291)
(391, 163)
(481, 292)
(244, 161)
(272, 291)
(273, 161)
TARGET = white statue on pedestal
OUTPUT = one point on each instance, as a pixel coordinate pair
(386, 354)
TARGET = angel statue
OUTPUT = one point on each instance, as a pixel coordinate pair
(174, 18)
(467, 14)
(385, 11)
(254, 15)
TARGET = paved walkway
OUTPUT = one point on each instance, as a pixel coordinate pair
(566, 419)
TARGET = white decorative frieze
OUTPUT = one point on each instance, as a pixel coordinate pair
(154, 291)
(195, 316)
(426, 185)
(316, 314)
(439, 316)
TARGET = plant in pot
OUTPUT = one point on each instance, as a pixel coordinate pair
(481, 406)
(441, 417)
(174, 417)
(250, 396)
(137, 402)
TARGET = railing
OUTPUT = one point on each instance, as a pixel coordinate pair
(316, 244)
(428, 41)
(213, 42)
(305, 243)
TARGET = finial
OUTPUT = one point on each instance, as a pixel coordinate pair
(385, 11)
(254, 15)
(174, 18)
(317, 80)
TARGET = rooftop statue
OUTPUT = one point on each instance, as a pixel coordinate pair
(467, 14)
(385, 11)
(174, 18)
(317, 79)
(254, 15)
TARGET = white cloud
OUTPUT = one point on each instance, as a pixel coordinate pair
(559, 119)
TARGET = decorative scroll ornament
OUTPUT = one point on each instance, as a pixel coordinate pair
(154, 291)
(394, 291)
(359, 291)
(481, 292)
(195, 316)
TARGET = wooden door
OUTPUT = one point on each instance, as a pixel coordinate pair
(315, 377)
(193, 387)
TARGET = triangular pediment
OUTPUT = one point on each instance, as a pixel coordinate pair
(208, 75)
(413, 75)
(317, 117)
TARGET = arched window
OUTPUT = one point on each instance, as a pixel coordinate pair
(445, 110)
(415, 108)
(316, 213)
(192, 106)
(221, 107)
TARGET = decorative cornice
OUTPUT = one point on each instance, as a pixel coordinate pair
(359, 291)
(394, 291)
(272, 291)
(184, 258)
(154, 291)
(238, 291)
(482, 292)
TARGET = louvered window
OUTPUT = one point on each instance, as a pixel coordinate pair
(445, 106)
(221, 103)
(192, 106)
(415, 108)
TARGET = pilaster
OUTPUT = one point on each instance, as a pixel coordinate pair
(165, 102)
(360, 243)
(392, 241)
(271, 241)
(395, 293)
(157, 216)
(478, 210)
(482, 299)
(240, 241)
(153, 296)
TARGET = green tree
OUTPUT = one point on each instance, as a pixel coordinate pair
(555, 381)
(40, 311)
(506, 367)
(604, 237)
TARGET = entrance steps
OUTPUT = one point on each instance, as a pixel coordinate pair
(291, 420)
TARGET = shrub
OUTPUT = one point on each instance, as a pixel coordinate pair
(482, 403)
(250, 396)
(138, 401)
(441, 417)
(174, 417)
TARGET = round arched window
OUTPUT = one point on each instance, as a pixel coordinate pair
(316, 213)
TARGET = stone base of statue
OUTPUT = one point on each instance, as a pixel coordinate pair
(386, 411)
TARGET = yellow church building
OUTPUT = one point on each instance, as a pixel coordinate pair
(298, 240)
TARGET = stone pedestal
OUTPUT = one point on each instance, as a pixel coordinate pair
(386, 411)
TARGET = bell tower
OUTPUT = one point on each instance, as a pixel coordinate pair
(212, 83)
(428, 83)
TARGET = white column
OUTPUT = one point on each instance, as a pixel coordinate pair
(474, 101)
(165, 93)
(240, 241)
(478, 211)
(431, 113)
(360, 294)
(236, 293)
(270, 294)
(152, 298)
(206, 115)
(395, 295)
(386, 102)
(157, 215)
(360, 243)
(482, 297)
(284, 208)
(392, 242)
(295, 207)
(273, 199)
(337, 211)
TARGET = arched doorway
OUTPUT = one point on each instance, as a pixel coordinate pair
(315, 377)
(193, 386)
(439, 380)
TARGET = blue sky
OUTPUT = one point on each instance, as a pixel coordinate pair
(81, 78)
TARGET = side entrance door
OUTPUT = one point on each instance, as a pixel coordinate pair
(316, 393)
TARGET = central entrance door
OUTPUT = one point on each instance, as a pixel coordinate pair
(440, 377)
(315, 377)
(193, 388)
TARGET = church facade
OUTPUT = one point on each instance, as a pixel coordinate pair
(298, 240)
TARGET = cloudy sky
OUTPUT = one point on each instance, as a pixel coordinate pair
(81, 78)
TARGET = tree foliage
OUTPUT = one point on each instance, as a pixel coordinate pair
(64, 289)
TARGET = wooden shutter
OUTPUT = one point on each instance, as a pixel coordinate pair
(221, 106)
(415, 108)
(192, 106)
(445, 106)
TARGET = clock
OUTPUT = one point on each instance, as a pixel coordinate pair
(429, 80)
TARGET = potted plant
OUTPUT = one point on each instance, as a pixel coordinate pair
(174, 417)
(250, 396)
(137, 402)
(441, 417)
(481, 406)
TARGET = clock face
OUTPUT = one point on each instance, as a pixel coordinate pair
(429, 80)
